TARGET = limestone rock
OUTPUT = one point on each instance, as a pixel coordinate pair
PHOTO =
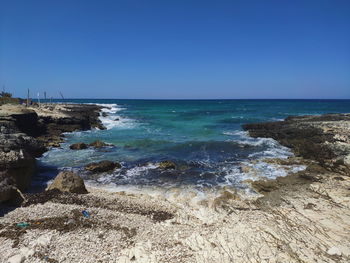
(103, 166)
(16, 259)
(78, 146)
(68, 182)
(334, 251)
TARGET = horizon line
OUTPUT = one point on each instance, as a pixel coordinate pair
(191, 99)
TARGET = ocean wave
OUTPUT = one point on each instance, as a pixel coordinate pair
(235, 176)
(113, 120)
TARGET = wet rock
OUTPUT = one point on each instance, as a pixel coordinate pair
(245, 168)
(104, 114)
(68, 182)
(165, 165)
(116, 119)
(103, 166)
(322, 138)
(99, 144)
(78, 146)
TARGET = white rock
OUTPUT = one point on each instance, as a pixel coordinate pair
(27, 252)
(16, 259)
(43, 240)
(334, 251)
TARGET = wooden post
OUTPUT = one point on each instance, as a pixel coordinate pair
(62, 97)
(28, 98)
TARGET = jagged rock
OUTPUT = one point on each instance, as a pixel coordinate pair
(26, 132)
(99, 144)
(116, 119)
(68, 182)
(103, 166)
(165, 165)
(78, 146)
(104, 114)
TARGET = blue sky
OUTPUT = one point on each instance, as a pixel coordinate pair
(176, 49)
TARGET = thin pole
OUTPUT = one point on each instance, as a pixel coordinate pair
(28, 98)
(39, 99)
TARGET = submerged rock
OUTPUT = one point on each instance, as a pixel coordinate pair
(99, 144)
(68, 182)
(78, 146)
(165, 165)
(103, 166)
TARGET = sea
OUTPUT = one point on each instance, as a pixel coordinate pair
(203, 137)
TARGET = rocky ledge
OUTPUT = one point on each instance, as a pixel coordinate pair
(26, 132)
(321, 138)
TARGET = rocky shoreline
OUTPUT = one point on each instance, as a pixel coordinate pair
(322, 138)
(303, 217)
(27, 132)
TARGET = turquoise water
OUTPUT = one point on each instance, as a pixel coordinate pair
(203, 137)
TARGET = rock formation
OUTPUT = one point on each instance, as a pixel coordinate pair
(165, 165)
(68, 182)
(103, 166)
(27, 132)
(323, 138)
(78, 146)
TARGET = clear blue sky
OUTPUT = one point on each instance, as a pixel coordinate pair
(176, 49)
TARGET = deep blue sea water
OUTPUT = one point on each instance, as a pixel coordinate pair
(203, 137)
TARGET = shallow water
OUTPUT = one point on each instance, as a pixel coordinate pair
(204, 138)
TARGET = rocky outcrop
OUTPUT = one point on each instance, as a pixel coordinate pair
(323, 138)
(68, 182)
(78, 146)
(99, 144)
(166, 165)
(25, 133)
(60, 118)
(103, 166)
(9, 190)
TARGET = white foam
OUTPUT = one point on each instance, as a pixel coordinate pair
(112, 120)
(138, 170)
(259, 169)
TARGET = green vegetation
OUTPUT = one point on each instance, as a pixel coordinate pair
(6, 97)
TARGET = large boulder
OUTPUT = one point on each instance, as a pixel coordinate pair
(8, 190)
(99, 144)
(78, 146)
(103, 166)
(165, 165)
(68, 182)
